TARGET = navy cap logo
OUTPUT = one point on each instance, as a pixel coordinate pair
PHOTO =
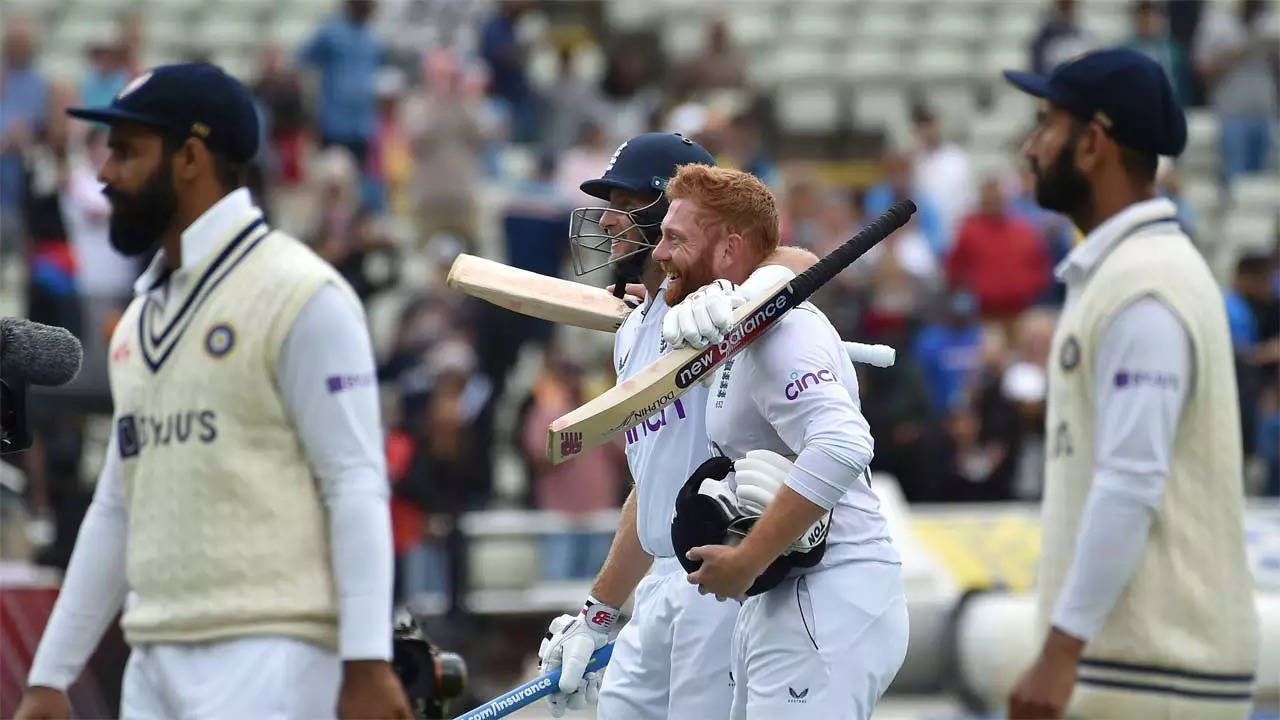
(134, 84)
(614, 159)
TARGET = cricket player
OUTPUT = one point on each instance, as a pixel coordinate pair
(243, 502)
(1145, 597)
(672, 659)
(826, 639)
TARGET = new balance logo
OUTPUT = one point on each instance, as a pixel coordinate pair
(797, 696)
(570, 443)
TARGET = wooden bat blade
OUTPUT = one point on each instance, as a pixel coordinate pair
(541, 296)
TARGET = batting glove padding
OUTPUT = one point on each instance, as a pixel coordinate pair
(759, 478)
(569, 642)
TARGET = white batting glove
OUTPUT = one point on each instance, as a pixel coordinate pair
(758, 479)
(707, 314)
(569, 643)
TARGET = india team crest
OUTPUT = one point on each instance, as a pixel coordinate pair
(220, 340)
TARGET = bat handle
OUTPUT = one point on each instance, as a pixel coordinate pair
(532, 691)
(882, 356)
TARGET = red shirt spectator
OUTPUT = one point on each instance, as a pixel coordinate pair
(999, 258)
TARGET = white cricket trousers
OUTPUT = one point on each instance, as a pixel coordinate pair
(671, 659)
(264, 677)
(822, 645)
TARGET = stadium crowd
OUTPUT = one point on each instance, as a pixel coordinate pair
(390, 160)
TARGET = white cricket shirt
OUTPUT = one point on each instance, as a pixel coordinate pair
(794, 391)
(664, 450)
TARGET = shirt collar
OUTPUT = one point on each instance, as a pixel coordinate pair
(1081, 261)
(201, 237)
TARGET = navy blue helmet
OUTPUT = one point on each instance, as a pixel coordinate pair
(642, 165)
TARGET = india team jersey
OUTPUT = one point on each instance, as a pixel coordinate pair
(794, 390)
(664, 450)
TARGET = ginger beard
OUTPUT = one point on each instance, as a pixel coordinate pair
(685, 279)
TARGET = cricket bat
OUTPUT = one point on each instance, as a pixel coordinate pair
(571, 303)
(532, 691)
(540, 296)
(656, 386)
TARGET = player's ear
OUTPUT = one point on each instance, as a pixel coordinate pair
(1091, 146)
(190, 159)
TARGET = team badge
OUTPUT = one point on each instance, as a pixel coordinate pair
(1069, 356)
(220, 340)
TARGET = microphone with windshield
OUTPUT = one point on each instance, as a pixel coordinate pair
(30, 354)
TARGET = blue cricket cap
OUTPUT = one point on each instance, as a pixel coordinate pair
(647, 162)
(1123, 90)
(189, 99)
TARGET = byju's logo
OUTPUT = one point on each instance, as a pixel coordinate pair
(135, 433)
(799, 383)
(797, 696)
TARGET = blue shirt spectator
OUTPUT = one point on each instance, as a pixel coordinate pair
(347, 56)
(23, 99)
(105, 77)
(895, 184)
(949, 352)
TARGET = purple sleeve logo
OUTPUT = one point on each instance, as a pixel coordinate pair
(338, 383)
(1141, 378)
(799, 383)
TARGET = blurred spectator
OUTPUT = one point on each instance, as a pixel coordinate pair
(533, 224)
(335, 198)
(503, 52)
(629, 97)
(390, 168)
(894, 185)
(718, 67)
(805, 202)
(1059, 39)
(421, 563)
(1235, 52)
(105, 76)
(948, 351)
(896, 404)
(52, 296)
(1253, 314)
(592, 482)
(998, 257)
(447, 137)
(347, 56)
(572, 102)
(23, 103)
(1151, 37)
(368, 260)
(941, 174)
(900, 277)
(744, 148)
(586, 159)
(281, 102)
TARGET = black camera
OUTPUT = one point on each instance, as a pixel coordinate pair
(431, 677)
(14, 435)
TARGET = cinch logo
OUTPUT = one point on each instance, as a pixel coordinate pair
(654, 423)
(799, 383)
(135, 433)
(570, 443)
(797, 696)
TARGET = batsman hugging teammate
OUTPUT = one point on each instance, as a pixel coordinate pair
(672, 659)
(243, 503)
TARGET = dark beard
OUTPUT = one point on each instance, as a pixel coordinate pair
(138, 219)
(1061, 187)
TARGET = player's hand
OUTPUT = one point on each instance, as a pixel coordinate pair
(43, 703)
(758, 478)
(569, 643)
(633, 294)
(1045, 688)
(370, 689)
(725, 572)
(703, 317)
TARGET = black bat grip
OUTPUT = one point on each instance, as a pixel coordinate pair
(807, 282)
